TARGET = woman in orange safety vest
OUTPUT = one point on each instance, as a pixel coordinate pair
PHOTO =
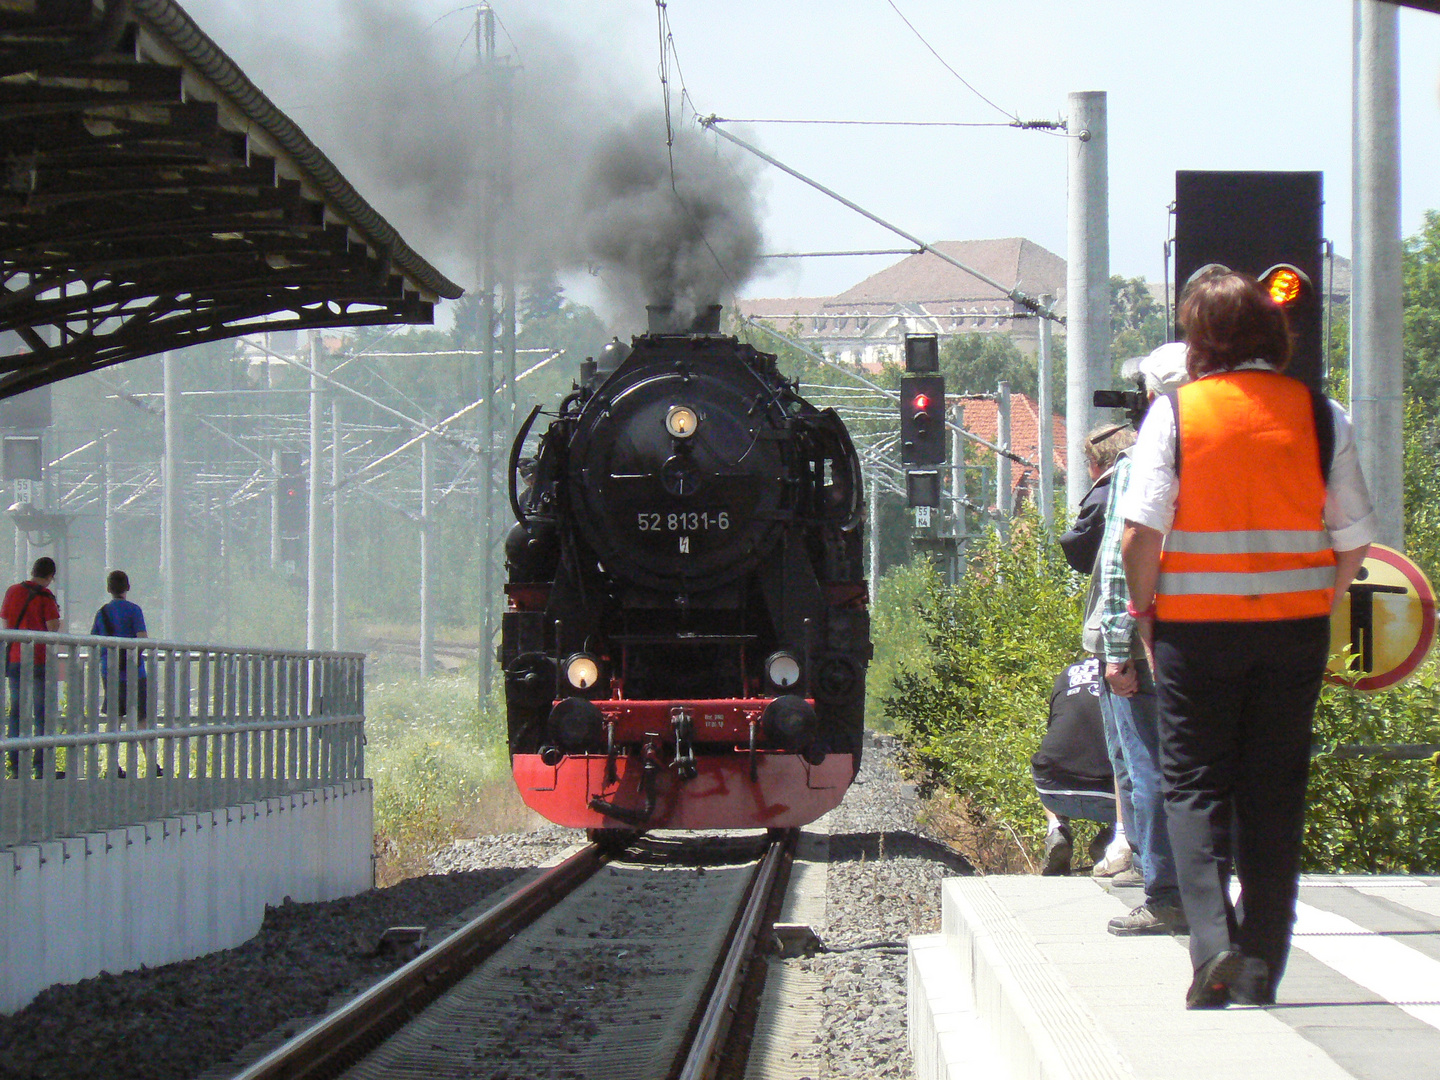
(1246, 516)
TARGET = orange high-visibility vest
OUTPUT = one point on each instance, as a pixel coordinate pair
(1248, 543)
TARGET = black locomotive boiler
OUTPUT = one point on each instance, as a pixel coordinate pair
(687, 628)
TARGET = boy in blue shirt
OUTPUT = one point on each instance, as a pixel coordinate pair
(120, 618)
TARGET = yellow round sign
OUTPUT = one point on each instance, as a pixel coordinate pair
(1385, 625)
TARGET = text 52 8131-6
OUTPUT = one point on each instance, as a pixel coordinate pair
(682, 520)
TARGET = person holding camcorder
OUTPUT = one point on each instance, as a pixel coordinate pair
(1127, 698)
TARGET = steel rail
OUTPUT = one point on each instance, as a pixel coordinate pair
(349, 1033)
(708, 1044)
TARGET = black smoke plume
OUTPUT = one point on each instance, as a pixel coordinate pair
(400, 105)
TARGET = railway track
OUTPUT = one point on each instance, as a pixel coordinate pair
(627, 965)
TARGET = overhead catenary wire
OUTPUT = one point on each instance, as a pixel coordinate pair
(359, 474)
(834, 254)
(712, 123)
(1025, 125)
(893, 395)
(667, 52)
(946, 64)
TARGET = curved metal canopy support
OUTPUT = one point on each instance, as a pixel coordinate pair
(152, 197)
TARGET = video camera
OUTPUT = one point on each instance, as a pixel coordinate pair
(1135, 402)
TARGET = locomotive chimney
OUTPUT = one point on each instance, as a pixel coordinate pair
(662, 318)
(708, 321)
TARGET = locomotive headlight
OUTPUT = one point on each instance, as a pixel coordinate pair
(582, 671)
(681, 421)
(783, 670)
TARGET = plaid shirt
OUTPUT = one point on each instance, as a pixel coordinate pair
(1117, 628)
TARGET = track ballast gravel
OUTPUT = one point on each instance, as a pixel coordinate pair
(185, 1020)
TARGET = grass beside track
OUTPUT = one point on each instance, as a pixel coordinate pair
(439, 765)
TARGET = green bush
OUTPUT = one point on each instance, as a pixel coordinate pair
(970, 668)
(899, 596)
(971, 712)
(1365, 814)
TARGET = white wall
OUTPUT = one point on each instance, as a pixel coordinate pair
(174, 888)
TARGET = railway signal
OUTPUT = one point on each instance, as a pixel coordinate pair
(922, 354)
(292, 507)
(1266, 224)
(922, 419)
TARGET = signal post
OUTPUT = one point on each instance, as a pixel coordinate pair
(923, 443)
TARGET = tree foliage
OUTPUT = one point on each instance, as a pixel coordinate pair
(972, 710)
(976, 364)
(1422, 310)
(1365, 815)
(1137, 319)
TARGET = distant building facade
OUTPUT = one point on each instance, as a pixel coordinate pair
(866, 324)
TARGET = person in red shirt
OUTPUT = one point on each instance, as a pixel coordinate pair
(29, 605)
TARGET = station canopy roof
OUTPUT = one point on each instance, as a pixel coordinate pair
(152, 197)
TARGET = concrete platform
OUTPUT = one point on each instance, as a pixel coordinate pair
(1024, 983)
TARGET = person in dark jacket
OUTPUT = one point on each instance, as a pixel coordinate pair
(1071, 769)
(1081, 541)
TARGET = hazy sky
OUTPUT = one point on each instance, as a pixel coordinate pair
(1227, 84)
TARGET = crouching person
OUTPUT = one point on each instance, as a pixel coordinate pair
(1071, 769)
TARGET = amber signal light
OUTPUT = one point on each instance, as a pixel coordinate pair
(1285, 284)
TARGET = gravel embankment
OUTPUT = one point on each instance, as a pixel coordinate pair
(882, 887)
(184, 1020)
(177, 1021)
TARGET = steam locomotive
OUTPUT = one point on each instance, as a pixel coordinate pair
(687, 630)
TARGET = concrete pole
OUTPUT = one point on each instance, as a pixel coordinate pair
(1087, 304)
(427, 613)
(337, 535)
(108, 501)
(1046, 449)
(312, 544)
(275, 512)
(874, 529)
(1003, 497)
(170, 507)
(1376, 313)
(957, 488)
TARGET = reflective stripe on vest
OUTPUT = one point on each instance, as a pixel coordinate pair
(1243, 541)
(1248, 542)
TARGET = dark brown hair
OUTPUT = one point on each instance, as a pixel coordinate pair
(1229, 319)
(117, 582)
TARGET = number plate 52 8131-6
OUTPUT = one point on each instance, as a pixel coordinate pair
(682, 521)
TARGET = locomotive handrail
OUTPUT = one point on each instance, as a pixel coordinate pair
(515, 465)
(832, 425)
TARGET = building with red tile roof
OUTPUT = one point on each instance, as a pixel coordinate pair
(982, 418)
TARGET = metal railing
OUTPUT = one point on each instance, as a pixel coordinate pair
(103, 731)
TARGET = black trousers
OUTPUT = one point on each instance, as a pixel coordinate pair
(1236, 703)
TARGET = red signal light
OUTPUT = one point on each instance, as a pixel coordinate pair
(922, 402)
